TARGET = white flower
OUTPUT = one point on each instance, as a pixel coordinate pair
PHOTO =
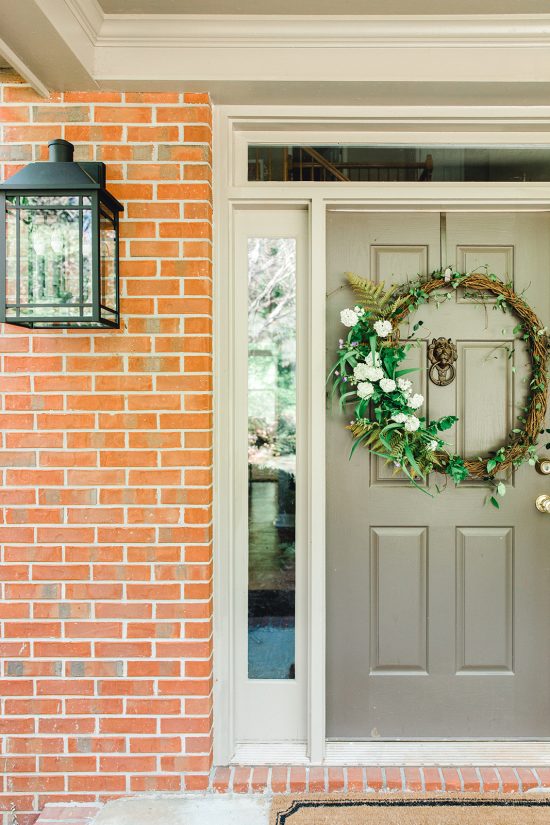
(432, 446)
(448, 274)
(373, 362)
(400, 418)
(412, 423)
(415, 401)
(383, 328)
(374, 373)
(349, 317)
(361, 372)
(388, 384)
(365, 389)
(359, 311)
(404, 385)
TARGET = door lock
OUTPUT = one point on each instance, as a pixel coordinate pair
(543, 503)
(543, 466)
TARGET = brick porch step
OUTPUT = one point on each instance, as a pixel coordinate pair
(264, 780)
(299, 779)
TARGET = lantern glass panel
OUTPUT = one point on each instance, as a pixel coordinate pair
(108, 265)
(52, 275)
(11, 254)
(53, 200)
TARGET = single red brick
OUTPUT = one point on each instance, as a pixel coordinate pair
(394, 780)
(123, 114)
(153, 134)
(451, 779)
(241, 779)
(527, 778)
(152, 97)
(490, 779)
(355, 779)
(317, 780)
(195, 783)
(149, 784)
(413, 779)
(297, 779)
(279, 779)
(470, 779)
(432, 779)
(336, 779)
(258, 782)
(509, 780)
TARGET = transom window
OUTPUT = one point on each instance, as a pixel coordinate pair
(347, 163)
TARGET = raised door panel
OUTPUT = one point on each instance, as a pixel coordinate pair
(498, 260)
(394, 263)
(485, 402)
(485, 599)
(398, 599)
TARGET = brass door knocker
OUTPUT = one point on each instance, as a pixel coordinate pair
(442, 354)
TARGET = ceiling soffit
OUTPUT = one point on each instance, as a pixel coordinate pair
(278, 58)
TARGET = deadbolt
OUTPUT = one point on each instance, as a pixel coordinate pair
(543, 466)
(543, 503)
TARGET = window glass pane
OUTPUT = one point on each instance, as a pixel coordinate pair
(371, 163)
(271, 457)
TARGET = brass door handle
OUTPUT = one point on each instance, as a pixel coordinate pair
(543, 503)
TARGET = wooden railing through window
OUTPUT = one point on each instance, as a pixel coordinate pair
(304, 163)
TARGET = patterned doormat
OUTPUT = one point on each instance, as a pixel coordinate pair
(417, 810)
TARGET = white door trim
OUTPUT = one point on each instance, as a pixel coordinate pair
(233, 126)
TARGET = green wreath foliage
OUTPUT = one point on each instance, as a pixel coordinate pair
(387, 419)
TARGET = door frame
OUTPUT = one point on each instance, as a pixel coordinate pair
(234, 127)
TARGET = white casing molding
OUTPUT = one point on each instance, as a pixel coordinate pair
(235, 128)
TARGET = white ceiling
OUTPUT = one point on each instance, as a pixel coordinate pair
(332, 7)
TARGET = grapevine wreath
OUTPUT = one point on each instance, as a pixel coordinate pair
(387, 420)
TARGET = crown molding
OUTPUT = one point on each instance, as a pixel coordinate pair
(305, 31)
(89, 15)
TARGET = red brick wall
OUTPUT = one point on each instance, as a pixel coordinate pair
(106, 477)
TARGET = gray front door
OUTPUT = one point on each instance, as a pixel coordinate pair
(439, 609)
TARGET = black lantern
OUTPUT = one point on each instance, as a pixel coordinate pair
(59, 245)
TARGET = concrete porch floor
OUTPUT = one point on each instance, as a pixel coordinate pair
(242, 795)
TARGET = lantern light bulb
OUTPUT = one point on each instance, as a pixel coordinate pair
(39, 240)
(56, 240)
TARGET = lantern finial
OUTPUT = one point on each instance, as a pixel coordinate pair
(60, 151)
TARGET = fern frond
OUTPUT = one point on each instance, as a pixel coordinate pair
(374, 298)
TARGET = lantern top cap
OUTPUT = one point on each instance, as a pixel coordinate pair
(60, 151)
(61, 173)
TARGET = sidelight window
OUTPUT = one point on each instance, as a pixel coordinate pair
(271, 457)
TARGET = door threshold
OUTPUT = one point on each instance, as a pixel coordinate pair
(511, 753)
(448, 753)
(270, 753)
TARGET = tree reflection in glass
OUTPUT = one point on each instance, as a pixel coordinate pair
(271, 457)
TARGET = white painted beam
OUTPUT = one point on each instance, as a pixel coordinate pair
(21, 68)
